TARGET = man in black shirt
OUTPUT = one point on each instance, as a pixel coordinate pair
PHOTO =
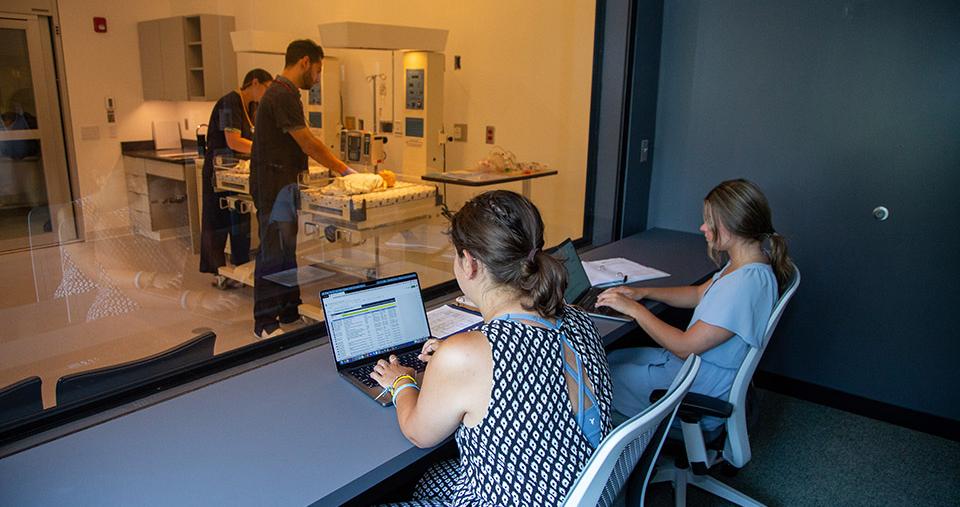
(229, 133)
(280, 150)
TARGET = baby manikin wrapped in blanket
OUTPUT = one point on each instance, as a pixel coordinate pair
(360, 183)
(370, 201)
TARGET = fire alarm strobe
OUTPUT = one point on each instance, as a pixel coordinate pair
(100, 25)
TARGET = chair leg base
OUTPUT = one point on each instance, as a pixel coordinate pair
(681, 478)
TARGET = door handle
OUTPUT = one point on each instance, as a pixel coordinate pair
(881, 213)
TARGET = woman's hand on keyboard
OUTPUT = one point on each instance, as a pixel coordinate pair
(387, 372)
(635, 293)
(617, 300)
(429, 347)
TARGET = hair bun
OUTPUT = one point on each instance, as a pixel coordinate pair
(533, 254)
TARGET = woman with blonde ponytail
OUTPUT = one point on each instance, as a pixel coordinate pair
(731, 309)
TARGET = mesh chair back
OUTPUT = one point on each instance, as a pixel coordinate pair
(101, 381)
(737, 446)
(20, 400)
(614, 460)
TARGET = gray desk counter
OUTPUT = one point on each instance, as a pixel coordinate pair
(681, 254)
(287, 433)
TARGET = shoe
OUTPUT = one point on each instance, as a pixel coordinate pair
(293, 326)
(266, 335)
(223, 283)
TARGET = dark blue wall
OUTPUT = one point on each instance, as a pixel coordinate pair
(833, 107)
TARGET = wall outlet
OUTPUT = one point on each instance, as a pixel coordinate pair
(490, 134)
(460, 132)
(89, 133)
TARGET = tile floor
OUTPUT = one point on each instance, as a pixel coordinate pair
(78, 307)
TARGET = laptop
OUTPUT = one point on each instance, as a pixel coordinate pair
(370, 321)
(579, 291)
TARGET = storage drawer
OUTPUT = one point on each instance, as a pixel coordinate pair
(133, 165)
(164, 169)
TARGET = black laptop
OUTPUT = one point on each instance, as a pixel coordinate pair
(579, 292)
(370, 321)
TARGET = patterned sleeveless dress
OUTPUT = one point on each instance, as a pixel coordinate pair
(528, 450)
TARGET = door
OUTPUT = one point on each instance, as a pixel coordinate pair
(34, 184)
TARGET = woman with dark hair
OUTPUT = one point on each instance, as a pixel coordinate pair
(731, 309)
(506, 391)
(230, 133)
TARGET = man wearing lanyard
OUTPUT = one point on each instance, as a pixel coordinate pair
(229, 133)
(280, 150)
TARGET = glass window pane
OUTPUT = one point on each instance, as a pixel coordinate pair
(169, 248)
(23, 190)
(17, 105)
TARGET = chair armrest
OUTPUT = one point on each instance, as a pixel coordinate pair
(695, 407)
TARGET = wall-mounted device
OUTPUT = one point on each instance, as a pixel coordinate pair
(321, 104)
(423, 111)
(362, 148)
(110, 105)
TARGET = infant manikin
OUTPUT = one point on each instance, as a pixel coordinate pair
(361, 183)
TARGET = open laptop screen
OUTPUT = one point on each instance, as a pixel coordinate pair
(373, 318)
(577, 280)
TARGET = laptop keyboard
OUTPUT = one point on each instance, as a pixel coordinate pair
(408, 359)
(589, 305)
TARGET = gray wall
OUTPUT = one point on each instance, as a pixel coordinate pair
(833, 107)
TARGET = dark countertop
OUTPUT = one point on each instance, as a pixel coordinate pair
(145, 149)
(485, 178)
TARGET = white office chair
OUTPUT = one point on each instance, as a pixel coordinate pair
(730, 445)
(638, 440)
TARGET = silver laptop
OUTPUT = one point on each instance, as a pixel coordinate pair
(579, 292)
(370, 321)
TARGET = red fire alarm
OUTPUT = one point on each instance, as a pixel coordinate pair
(100, 25)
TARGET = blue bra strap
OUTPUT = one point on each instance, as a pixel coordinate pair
(526, 316)
(593, 432)
(579, 379)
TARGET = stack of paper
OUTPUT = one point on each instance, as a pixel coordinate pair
(608, 272)
(447, 320)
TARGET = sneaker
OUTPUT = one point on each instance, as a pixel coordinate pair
(223, 283)
(266, 335)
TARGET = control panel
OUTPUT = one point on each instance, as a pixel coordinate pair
(415, 89)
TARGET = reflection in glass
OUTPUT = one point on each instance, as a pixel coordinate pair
(23, 191)
(17, 104)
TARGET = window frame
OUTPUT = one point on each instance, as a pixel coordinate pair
(608, 142)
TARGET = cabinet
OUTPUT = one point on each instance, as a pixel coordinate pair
(187, 57)
(157, 197)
